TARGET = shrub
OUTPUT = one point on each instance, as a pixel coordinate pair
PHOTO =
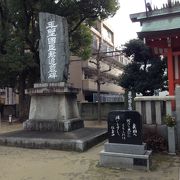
(155, 142)
(169, 120)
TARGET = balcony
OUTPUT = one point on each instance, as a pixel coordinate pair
(109, 54)
(114, 72)
(90, 85)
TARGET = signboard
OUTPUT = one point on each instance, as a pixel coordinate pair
(53, 48)
(125, 127)
(129, 100)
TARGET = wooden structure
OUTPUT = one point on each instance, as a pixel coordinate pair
(161, 31)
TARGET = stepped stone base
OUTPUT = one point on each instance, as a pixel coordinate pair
(125, 156)
(125, 148)
(53, 125)
(78, 140)
(53, 108)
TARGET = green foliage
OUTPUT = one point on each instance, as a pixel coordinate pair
(169, 120)
(128, 81)
(82, 39)
(146, 73)
(15, 61)
(136, 49)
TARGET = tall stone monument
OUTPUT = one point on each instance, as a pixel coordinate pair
(53, 102)
(53, 48)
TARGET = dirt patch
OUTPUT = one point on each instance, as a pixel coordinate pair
(42, 164)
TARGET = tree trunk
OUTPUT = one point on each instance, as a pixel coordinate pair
(98, 90)
(23, 99)
(99, 101)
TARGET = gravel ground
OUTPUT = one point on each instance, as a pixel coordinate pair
(42, 164)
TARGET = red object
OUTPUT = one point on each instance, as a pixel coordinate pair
(168, 46)
(170, 72)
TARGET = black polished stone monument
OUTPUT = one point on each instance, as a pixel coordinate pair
(125, 127)
(125, 148)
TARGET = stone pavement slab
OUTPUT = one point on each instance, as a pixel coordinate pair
(77, 140)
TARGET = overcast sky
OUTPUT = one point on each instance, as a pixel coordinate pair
(121, 24)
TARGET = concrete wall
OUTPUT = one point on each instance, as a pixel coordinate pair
(88, 111)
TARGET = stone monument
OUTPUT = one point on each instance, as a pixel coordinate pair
(125, 148)
(53, 101)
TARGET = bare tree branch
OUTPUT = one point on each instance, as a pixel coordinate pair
(106, 52)
(77, 25)
(93, 62)
(107, 70)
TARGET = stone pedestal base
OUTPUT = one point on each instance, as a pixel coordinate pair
(125, 156)
(53, 125)
(53, 108)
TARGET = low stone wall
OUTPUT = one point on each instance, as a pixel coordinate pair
(89, 111)
(153, 109)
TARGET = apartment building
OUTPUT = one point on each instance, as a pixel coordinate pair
(83, 74)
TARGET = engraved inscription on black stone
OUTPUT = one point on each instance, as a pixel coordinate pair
(139, 162)
(125, 127)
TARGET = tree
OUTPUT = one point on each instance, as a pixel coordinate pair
(19, 35)
(146, 72)
(99, 58)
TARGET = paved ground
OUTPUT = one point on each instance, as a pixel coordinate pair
(33, 164)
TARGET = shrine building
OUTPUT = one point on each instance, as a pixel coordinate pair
(161, 31)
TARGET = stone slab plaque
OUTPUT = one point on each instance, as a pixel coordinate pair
(125, 127)
(53, 48)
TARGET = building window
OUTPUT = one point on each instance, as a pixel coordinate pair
(110, 35)
(96, 41)
(107, 34)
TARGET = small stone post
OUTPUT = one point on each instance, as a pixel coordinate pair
(171, 141)
(177, 98)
